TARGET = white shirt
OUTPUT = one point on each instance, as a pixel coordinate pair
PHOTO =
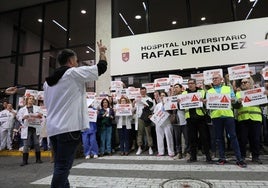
(66, 101)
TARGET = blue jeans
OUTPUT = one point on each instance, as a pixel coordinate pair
(229, 124)
(64, 146)
(106, 139)
(90, 144)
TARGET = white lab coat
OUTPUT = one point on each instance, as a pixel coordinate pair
(66, 101)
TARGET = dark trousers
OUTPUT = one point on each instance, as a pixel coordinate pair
(228, 124)
(180, 130)
(195, 127)
(124, 139)
(250, 131)
(64, 146)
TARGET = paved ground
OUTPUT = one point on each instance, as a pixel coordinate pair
(136, 171)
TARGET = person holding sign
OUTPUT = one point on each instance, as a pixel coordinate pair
(124, 125)
(163, 130)
(196, 123)
(249, 123)
(143, 111)
(89, 140)
(180, 127)
(224, 119)
(30, 117)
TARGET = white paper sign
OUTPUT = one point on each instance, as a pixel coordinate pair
(29, 92)
(170, 103)
(92, 114)
(208, 74)
(265, 73)
(115, 85)
(175, 79)
(123, 110)
(161, 84)
(149, 87)
(218, 101)
(254, 97)
(238, 72)
(190, 100)
(159, 117)
(133, 92)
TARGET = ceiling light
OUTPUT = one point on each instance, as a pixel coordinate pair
(70, 39)
(174, 22)
(251, 0)
(137, 17)
(144, 5)
(203, 18)
(83, 11)
(40, 20)
(90, 49)
(87, 52)
(54, 21)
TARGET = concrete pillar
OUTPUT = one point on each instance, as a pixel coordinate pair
(104, 32)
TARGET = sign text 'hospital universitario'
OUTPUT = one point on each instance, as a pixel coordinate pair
(219, 44)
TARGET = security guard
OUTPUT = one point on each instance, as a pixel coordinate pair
(196, 123)
(224, 119)
(249, 122)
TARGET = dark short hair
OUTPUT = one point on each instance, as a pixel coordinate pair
(191, 79)
(64, 55)
(178, 85)
(142, 88)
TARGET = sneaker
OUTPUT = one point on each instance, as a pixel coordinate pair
(151, 152)
(178, 156)
(95, 156)
(241, 164)
(221, 162)
(87, 157)
(159, 155)
(139, 151)
(256, 160)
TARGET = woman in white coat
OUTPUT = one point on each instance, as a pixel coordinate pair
(164, 130)
(30, 119)
(124, 127)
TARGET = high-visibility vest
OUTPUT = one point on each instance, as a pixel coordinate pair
(225, 112)
(198, 111)
(249, 112)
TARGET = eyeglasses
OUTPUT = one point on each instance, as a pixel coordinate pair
(244, 82)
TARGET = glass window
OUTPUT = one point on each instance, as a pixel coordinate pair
(31, 24)
(7, 73)
(55, 25)
(28, 73)
(167, 15)
(8, 35)
(251, 10)
(82, 22)
(208, 11)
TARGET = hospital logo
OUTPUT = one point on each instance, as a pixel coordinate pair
(125, 54)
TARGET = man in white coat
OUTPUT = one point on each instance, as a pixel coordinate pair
(65, 100)
(7, 118)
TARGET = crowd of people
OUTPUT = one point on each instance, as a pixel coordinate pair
(185, 133)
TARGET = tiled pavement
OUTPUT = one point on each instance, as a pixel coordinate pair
(123, 172)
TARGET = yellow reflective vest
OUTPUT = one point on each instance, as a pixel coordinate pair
(198, 111)
(250, 112)
(225, 112)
